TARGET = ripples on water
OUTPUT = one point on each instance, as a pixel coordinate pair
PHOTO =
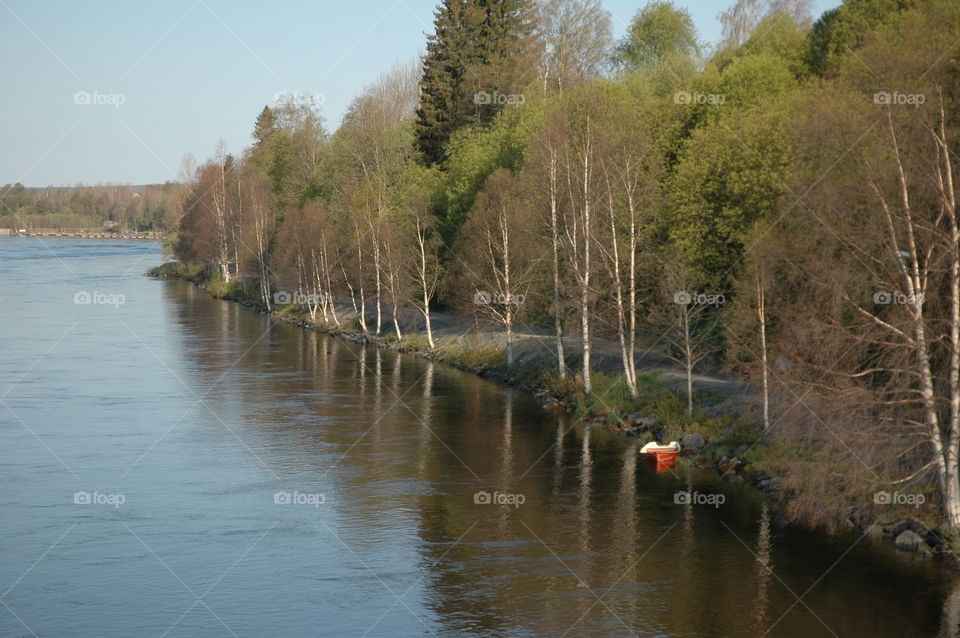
(198, 412)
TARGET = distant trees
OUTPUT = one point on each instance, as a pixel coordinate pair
(118, 208)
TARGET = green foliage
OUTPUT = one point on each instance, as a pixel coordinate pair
(490, 357)
(477, 151)
(168, 249)
(222, 289)
(845, 28)
(657, 33)
(477, 49)
(729, 176)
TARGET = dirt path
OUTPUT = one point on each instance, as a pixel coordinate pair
(536, 347)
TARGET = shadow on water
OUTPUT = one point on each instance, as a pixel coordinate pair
(598, 546)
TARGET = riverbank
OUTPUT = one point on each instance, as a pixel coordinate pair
(723, 432)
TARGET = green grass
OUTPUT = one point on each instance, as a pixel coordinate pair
(485, 357)
(223, 289)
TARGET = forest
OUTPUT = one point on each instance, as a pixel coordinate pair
(781, 204)
(113, 208)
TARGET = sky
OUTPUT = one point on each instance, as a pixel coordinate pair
(118, 91)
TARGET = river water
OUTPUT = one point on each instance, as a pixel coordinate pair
(174, 465)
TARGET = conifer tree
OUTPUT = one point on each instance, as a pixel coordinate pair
(480, 50)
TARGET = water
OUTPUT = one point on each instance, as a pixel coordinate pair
(184, 419)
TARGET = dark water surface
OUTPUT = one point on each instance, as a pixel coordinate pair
(187, 419)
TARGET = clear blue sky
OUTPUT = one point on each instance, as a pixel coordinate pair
(191, 72)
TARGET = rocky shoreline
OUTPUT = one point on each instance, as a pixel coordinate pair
(907, 534)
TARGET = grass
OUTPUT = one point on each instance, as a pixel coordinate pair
(223, 289)
(490, 357)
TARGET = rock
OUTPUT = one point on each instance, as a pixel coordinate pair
(896, 529)
(642, 422)
(769, 485)
(741, 450)
(911, 541)
(885, 518)
(692, 441)
(729, 468)
(859, 517)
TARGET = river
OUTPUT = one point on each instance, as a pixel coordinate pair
(175, 465)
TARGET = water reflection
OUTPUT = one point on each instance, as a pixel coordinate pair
(950, 624)
(764, 568)
(599, 547)
(426, 438)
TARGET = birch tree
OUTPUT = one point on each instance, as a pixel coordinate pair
(876, 334)
(579, 168)
(498, 258)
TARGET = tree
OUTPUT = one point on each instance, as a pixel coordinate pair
(657, 32)
(479, 51)
(372, 147)
(574, 38)
(544, 172)
(688, 316)
(873, 282)
(424, 274)
(741, 19)
(730, 175)
(630, 172)
(499, 258)
(579, 115)
(847, 27)
(264, 127)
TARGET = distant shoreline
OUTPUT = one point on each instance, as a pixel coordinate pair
(81, 235)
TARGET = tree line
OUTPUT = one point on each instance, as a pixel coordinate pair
(783, 202)
(120, 208)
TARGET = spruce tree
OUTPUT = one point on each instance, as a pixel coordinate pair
(264, 127)
(480, 51)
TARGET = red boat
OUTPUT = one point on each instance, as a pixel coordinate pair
(661, 457)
